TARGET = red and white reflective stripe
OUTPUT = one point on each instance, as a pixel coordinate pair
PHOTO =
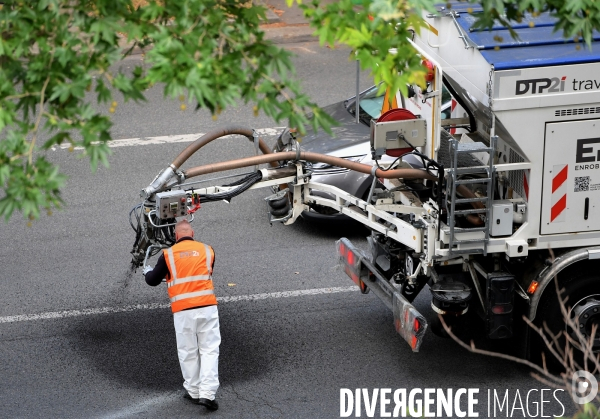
(526, 183)
(559, 193)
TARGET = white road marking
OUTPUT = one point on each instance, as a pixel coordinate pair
(141, 407)
(165, 139)
(230, 299)
(303, 49)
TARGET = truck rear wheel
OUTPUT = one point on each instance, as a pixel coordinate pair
(582, 292)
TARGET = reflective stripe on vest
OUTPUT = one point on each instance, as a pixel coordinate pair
(191, 285)
(177, 281)
(191, 295)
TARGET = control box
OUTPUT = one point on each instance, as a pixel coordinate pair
(392, 135)
(502, 218)
(171, 204)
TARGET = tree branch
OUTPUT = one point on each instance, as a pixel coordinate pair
(21, 96)
(475, 350)
(37, 121)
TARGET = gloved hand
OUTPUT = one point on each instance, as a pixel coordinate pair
(147, 269)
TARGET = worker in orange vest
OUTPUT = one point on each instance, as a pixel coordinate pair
(188, 267)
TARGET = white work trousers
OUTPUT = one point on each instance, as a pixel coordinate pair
(198, 339)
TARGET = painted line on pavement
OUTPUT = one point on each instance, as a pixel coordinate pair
(166, 139)
(154, 306)
(140, 408)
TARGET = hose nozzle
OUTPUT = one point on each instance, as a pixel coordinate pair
(159, 183)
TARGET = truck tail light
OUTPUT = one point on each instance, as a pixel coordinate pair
(353, 276)
(501, 309)
(351, 261)
(409, 323)
(350, 258)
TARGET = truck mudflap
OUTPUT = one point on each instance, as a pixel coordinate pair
(409, 323)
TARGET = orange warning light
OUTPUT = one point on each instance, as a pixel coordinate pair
(430, 75)
(532, 287)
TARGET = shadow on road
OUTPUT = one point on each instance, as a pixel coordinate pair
(331, 229)
(139, 350)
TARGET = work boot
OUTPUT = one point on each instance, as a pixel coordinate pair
(189, 398)
(209, 404)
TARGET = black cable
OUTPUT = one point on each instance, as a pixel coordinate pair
(423, 157)
(138, 219)
(426, 166)
(228, 195)
(414, 149)
(138, 230)
(430, 163)
(168, 234)
(241, 180)
(391, 165)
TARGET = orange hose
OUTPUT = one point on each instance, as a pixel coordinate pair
(213, 135)
(308, 156)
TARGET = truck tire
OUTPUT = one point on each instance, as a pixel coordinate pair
(582, 286)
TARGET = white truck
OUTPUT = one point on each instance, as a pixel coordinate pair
(489, 218)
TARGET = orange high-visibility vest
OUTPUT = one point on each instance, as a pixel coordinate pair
(189, 281)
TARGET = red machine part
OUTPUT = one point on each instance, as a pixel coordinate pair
(398, 114)
(430, 70)
(195, 203)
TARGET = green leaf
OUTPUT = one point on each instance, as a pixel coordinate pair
(4, 173)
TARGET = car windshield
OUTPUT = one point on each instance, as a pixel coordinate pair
(371, 102)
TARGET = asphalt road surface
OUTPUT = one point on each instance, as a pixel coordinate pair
(83, 337)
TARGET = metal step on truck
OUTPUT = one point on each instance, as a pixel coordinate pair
(487, 219)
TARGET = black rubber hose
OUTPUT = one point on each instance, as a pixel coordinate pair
(250, 180)
(241, 180)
